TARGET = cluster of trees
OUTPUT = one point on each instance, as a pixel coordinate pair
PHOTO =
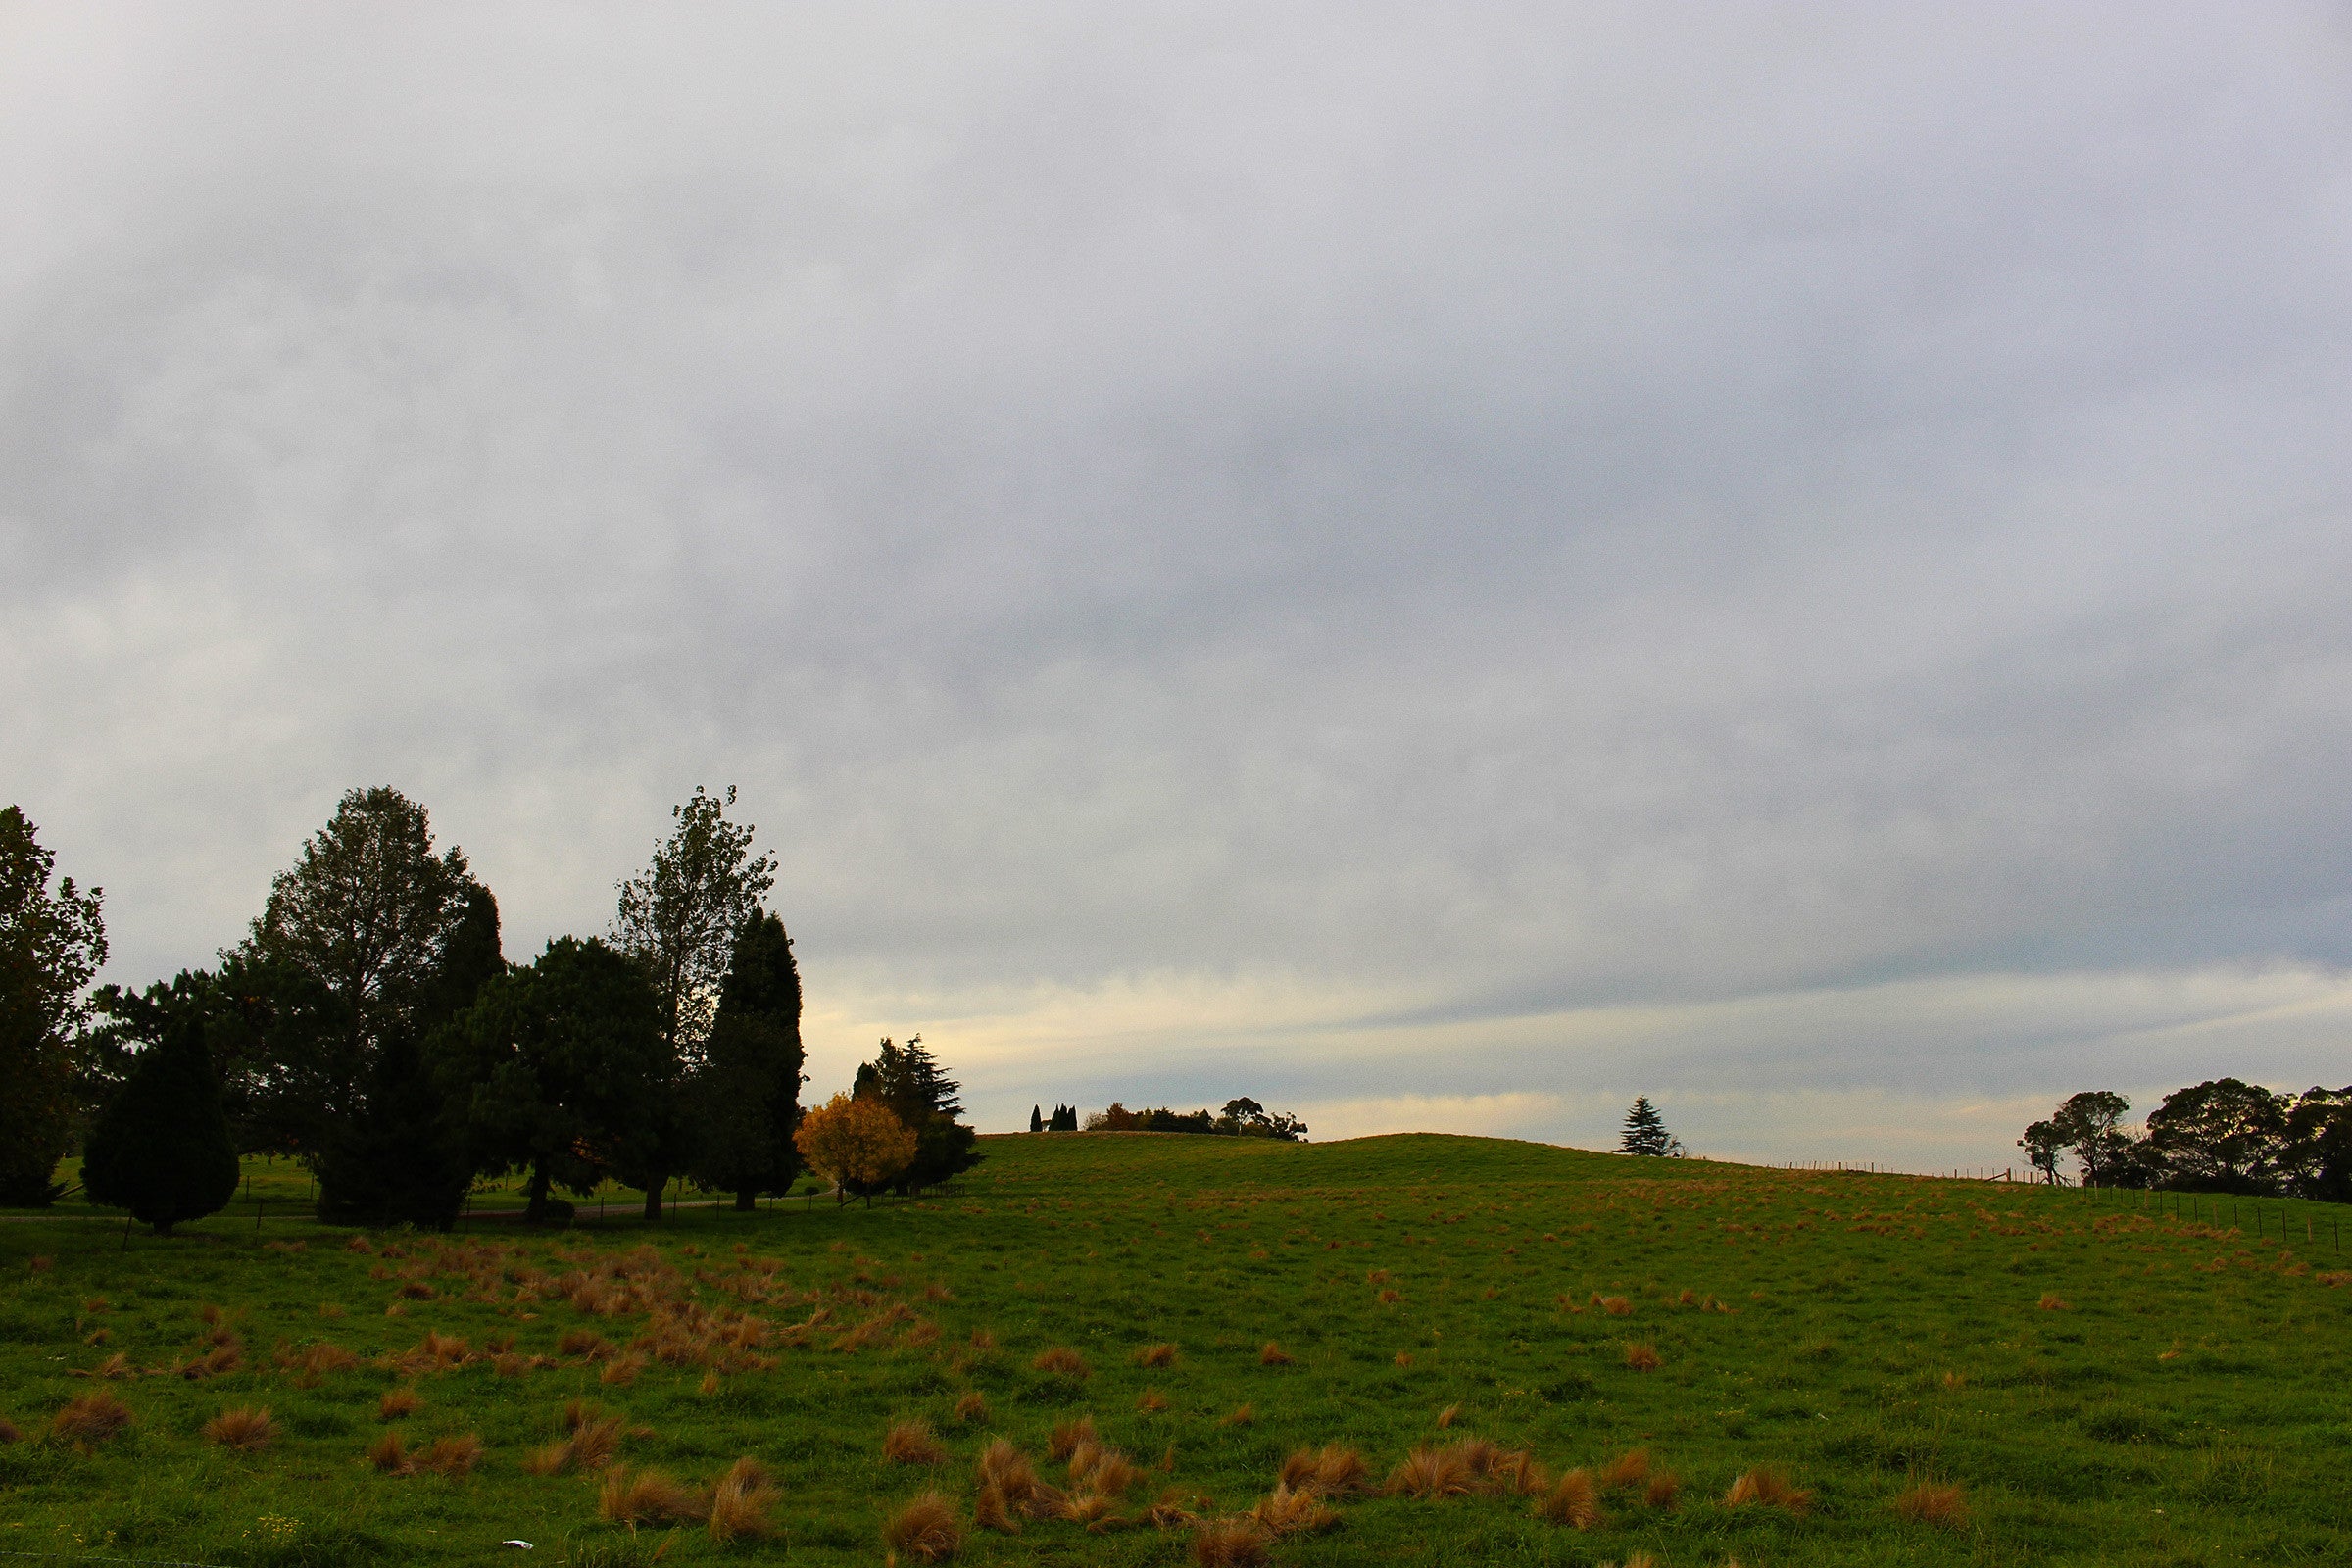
(1646, 1133)
(1063, 1120)
(2219, 1135)
(1241, 1118)
(370, 1026)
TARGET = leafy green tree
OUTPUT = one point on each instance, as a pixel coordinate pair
(678, 919)
(2219, 1135)
(1645, 1131)
(2043, 1143)
(749, 1090)
(2090, 1124)
(162, 1149)
(2317, 1144)
(367, 944)
(554, 1060)
(52, 942)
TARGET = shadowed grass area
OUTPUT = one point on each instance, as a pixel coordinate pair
(1847, 1369)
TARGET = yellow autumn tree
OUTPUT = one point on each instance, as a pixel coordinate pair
(858, 1145)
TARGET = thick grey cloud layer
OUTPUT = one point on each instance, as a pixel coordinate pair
(1409, 539)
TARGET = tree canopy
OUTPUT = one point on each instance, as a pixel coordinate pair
(162, 1149)
(748, 1091)
(52, 943)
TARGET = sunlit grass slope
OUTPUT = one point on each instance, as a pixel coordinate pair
(1880, 1369)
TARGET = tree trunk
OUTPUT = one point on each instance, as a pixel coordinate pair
(653, 1199)
(745, 1202)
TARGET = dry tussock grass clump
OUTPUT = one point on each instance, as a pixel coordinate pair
(1431, 1472)
(1241, 1415)
(1103, 1470)
(1628, 1469)
(9, 1433)
(1642, 1358)
(117, 1365)
(243, 1430)
(647, 1497)
(389, 1455)
(216, 1362)
(1069, 1436)
(622, 1369)
(447, 1457)
(1663, 1489)
(93, 1417)
(1954, 1382)
(2051, 1303)
(911, 1443)
(1767, 1487)
(1156, 1355)
(1390, 1295)
(311, 1364)
(1334, 1471)
(991, 1510)
(1445, 1417)
(1285, 1512)
(742, 1502)
(1150, 1402)
(584, 1342)
(1098, 1511)
(1273, 1354)
(398, 1402)
(972, 1409)
(1061, 1361)
(1933, 1503)
(1575, 1501)
(1230, 1544)
(1614, 1305)
(1007, 1472)
(926, 1529)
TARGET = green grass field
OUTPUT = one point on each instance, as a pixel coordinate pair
(2103, 1381)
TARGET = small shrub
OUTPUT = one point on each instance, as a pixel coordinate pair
(1936, 1503)
(91, 1418)
(742, 1501)
(926, 1529)
(911, 1443)
(243, 1430)
(1061, 1362)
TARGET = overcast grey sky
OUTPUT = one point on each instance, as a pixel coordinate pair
(1441, 566)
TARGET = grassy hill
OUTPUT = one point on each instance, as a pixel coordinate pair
(2103, 1381)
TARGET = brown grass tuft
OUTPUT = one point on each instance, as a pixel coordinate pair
(1095, 1510)
(1006, 1469)
(1241, 1415)
(1614, 1305)
(1285, 1512)
(2051, 1303)
(1156, 1355)
(1333, 1472)
(40, 1264)
(243, 1430)
(926, 1528)
(972, 1409)
(1767, 1487)
(449, 1456)
(1069, 1436)
(9, 1433)
(1931, 1503)
(389, 1455)
(742, 1501)
(1061, 1361)
(547, 1459)
(647, 1497)
(1390, 1295)
(1273, 1354)
(1230, 1544)
(1642, 1358)
(1663, 1489)
(584, 1342)
(991, 1511)
(1629, 1469)
(1446, 1417)
(1404, 1358)
(1575, 1503)
(1430, 1473)
(93, 1417)
(1150, 1402)
(622, 1369)
(911, 1443)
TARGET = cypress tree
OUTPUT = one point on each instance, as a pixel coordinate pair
(1037, 1119)
(161, 1148)
(750, 1088)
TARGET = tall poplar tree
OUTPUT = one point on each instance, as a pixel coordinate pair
(677, 921)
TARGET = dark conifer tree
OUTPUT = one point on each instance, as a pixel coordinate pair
(908, 1079)
(1037, 1119)
(750, 1087)
(1644, 1130)
(162, 1149)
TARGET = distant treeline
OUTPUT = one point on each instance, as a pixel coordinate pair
(1241, 1118)
(2219, 1135)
